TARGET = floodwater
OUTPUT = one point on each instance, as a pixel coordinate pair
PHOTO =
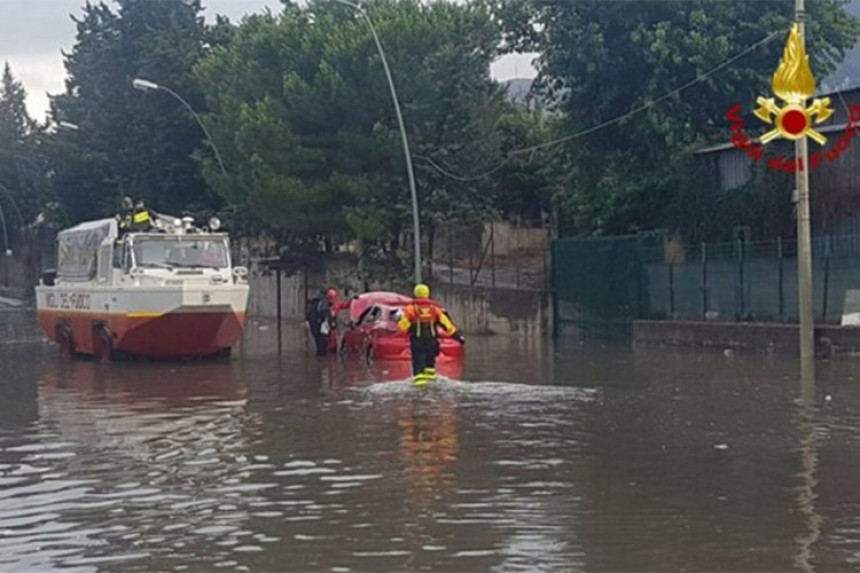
(564, 458)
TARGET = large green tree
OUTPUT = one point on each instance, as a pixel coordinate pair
(600, 60)
(129, 142)
(303, 115)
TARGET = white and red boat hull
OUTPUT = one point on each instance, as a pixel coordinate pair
(190, 320)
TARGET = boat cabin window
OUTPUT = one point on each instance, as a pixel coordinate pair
(180, 252)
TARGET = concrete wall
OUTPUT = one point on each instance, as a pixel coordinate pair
(474, 309)
(263, 300)
(830, 340)
(339, 272)
(20, 272)
(497, 310)
(509, 238)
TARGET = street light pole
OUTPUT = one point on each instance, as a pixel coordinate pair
(146, 85)
(410, 174)
(804, 242)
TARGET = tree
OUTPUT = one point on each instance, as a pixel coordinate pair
(24, 188)
(602, 60)
(128, 142)
(302, 112)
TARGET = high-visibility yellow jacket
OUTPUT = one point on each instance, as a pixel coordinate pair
(420, 318)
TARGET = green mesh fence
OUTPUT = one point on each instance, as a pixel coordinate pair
(602, 284)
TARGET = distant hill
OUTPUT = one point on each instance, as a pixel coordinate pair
(518, 88)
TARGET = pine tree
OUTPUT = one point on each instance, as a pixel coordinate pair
(129, 142)
(23, 183)
(15, 122)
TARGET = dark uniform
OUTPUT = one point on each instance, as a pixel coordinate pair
(125, 217)
(319, 318)
(420, 319)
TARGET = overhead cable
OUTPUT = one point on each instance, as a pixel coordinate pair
(618, 119)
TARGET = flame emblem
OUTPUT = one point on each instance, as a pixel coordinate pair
(793, 83)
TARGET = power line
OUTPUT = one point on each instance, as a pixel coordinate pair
(698, 79)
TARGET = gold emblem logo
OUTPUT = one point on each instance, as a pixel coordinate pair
(793, 83)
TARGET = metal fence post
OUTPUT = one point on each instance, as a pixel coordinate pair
(671, 290)
(278, 288)
(471, 280)
(641, 275)
(492, 254)
(546, 253)
(827, 247)
(450, 255)
(740, 299)
(780, 276)
(704, 281)
(553, 286)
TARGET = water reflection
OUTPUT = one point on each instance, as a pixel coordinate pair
(542, 457)
(428, 446)
(141, 460)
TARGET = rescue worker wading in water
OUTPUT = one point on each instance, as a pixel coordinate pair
(420, 318)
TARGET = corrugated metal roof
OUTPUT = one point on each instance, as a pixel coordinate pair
(724, 146)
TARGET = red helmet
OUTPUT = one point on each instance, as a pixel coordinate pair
(331, 295)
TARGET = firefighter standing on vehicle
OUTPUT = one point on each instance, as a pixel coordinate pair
(133, 218)
(125, 217)
(420, 319)
(141, 219)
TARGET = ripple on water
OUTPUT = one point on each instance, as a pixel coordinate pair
(448, 387)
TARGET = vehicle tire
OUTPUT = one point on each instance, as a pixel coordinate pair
(65, 341)
(102, 344)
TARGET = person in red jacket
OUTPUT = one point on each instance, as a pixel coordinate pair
(335, 306)
(321, 316)
(420, 319)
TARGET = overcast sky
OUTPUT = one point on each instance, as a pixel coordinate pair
(32, 33)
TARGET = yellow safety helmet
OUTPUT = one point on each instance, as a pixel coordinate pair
(422, 291)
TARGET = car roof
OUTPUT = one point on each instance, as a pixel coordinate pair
(359, 304)
(390, 300)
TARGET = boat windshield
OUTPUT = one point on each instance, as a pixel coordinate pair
(180, 252)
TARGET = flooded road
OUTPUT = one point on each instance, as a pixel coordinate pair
(565, 458)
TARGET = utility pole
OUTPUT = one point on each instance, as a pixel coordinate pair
(804, 242)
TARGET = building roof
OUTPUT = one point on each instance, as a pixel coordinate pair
(838, 104)
(846, 76)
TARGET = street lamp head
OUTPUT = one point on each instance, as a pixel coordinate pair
(144, 85)
(354, 5)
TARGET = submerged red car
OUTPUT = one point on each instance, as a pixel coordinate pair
(373, 330)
